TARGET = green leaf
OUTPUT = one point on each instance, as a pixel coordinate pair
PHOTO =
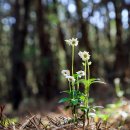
(91, 114)
(75, 76)
(66, 91)
(104, 117)
(74, 101)
(98, 107)
(83, 81)
(82, 97)
(93, 109)
(64, 100)
(94, 80)
(85, 109)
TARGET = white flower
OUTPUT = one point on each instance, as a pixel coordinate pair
(68, 42)
(72, 42)
(117, 80)
(65, 72)
(70, 78)
(80, 73)
(84, 55)
(123, 114)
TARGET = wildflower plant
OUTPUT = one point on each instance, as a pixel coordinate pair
(78, 100)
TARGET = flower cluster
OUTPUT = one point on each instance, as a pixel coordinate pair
(85, 56)
(77, 99)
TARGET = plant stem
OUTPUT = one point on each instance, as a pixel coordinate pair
(88, 81)
(84, 119)
(72, 60)
(85, 69)
(73, 89)
(85, 102)
(86, 85)
(77, 83)
(70, 87)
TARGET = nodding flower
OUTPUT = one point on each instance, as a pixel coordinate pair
(80, 73)
(70, 78)
(65, 72)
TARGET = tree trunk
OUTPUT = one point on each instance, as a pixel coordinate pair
(108, 31)
(61, 36)
(18, 66)
(119, 46)
(83, 27)
(47, 87)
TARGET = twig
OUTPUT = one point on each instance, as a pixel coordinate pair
(24, 124)
(61, 127)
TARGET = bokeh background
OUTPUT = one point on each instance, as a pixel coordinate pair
(33, 51)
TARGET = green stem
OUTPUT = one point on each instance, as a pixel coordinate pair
(85, 69)
(72, 60)
(88, 91)
(88, 81)
(73, 68)
(85, 65)
(70, 87)
(85, 92)
(77, 83)
(73, 89)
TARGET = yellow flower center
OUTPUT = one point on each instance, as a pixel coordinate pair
(85, 55)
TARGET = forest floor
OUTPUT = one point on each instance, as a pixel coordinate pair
(48, 117)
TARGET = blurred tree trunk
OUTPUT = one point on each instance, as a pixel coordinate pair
(83, 27)
(47, 87)
(61, 36)
(118, 67)
(108, 31)
(118, 9)
(18, 66)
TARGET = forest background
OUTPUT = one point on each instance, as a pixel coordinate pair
(33, 50)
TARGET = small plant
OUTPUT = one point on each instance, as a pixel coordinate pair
(78, 101)
(118, 90)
